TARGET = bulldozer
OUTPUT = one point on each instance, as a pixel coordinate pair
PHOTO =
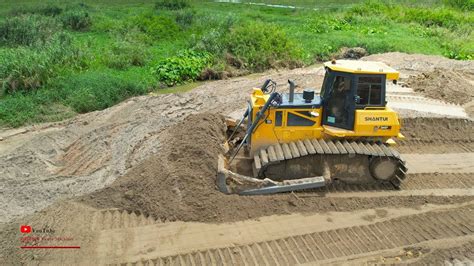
(298, 141)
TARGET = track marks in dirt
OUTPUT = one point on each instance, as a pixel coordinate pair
(115, 218)
(82, 158)
(413, 182)
(458, 255)
(338, 243)
(436, 135)
(439, 181)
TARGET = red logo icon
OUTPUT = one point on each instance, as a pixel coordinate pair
(25, 229)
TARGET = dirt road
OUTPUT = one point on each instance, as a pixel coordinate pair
(135, 184)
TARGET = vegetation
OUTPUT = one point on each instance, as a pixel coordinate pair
(186, 66)
(57, 60)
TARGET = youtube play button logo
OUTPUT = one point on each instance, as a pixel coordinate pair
(25, 229)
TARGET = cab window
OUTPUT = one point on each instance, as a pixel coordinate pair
(278, 118)
(369, 90)
(296, 120)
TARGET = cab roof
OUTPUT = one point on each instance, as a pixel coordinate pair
(363, 67)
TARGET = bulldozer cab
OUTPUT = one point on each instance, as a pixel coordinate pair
(350, 85)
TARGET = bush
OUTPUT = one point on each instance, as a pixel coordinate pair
(436, 16)
(76, 19)
(157, 27)
(431, 17)
(16, 110)
(185, 18)
(27, 30)
(171, 4)
(24, 69)
(461, 4)
(211, 42)
(45, 10)
(90, 91)
(262, 46)
(123, 54)
(454, 51)
(186, 66)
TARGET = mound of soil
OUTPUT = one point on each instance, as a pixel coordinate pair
(178, 184)
(447, 85)
(351, 53)
(438, 129)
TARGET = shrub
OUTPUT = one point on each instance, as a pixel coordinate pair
(76, 19)
(431, 17)
(262, 46)
(24, 69)
(454, 51)
(45, 10)
(16, 110)
(171, 4)
(369, 7)
(123, 54)
(27, 30)
(211, 42)
(461, 4)
(90, 91)
(186, 66)
(326, 24)
(185, 18)
(157, 27)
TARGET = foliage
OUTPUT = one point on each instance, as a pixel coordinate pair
(325, 24)
(48, 9)
(261, 46)
(77, 19)
(212, 42)
(454, 52)
(92, 91)
(172, 4)
(185, 66)
(123, 54)
(156, 26)
(125, 39)
(185, 18)
(27, 30)
(30, 68)
(436, 16)
(461, 4)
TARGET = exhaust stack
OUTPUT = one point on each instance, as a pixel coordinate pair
(292, 90)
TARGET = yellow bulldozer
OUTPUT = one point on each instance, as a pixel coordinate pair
(298, 141)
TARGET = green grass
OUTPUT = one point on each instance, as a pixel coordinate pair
(113, 55)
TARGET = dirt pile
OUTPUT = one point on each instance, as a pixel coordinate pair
(179, 183)
(446, 85)
(43, 163)
(438, 129)
(414, 64)
(178, 180)
(351, 53)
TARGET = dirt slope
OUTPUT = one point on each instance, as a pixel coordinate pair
(450, 86)
(86, 153)
(149, 164)
(179, 183)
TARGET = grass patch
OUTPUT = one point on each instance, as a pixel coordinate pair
(67, 58)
